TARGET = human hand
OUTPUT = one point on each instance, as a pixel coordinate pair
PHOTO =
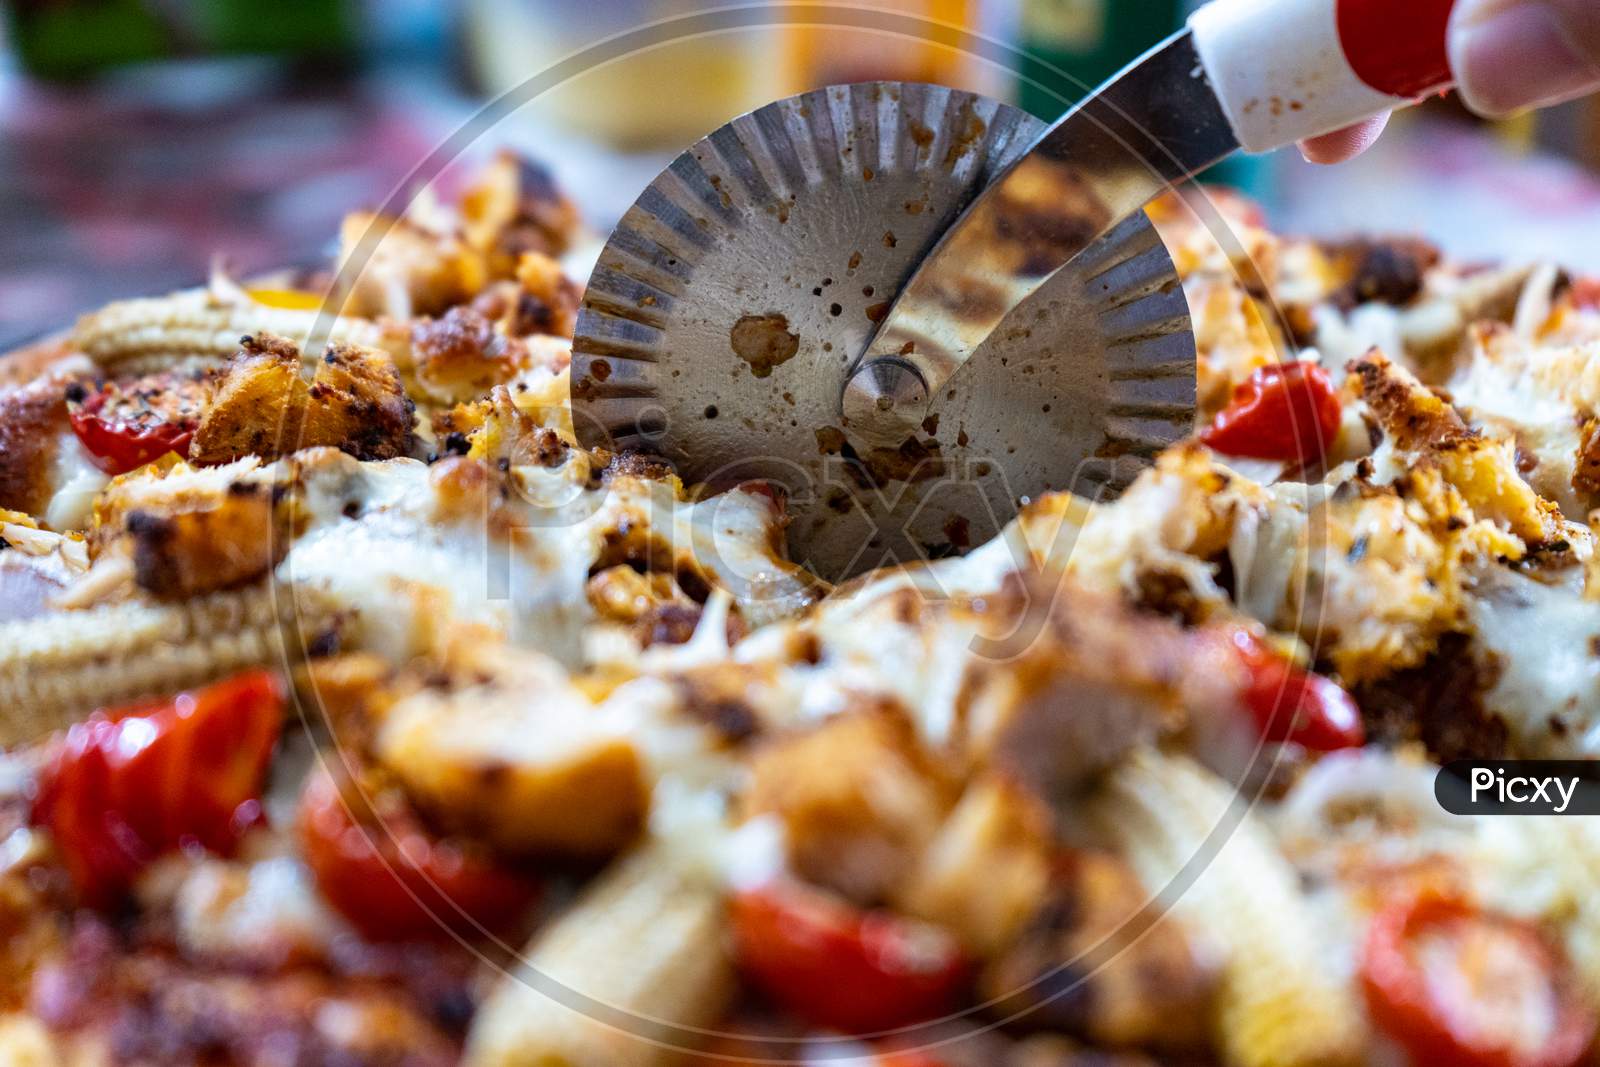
(1507, 55)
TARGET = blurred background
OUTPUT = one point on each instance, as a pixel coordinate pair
(141, 138)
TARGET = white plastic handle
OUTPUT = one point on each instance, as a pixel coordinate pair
(1286, 70)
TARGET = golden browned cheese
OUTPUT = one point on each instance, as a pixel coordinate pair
(1586, 468)
(460, 355)
(261, 404)
(652, 606)
(859, 797)
(546, 300)
(1228, 270)
(1483, 471)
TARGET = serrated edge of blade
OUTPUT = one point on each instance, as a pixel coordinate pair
(843, 133)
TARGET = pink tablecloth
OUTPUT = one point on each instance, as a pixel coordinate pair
(130, 187)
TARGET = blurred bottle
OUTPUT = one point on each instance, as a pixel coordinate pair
(818, 55)
(671, 94)
(75, 38)
(663, 96)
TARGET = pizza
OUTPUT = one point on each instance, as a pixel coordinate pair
(356, 715)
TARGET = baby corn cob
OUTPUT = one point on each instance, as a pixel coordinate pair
(1281, 1004)
(57, 668)
(642, 948)
(194, 324)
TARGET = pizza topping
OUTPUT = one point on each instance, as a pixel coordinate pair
(989, 869)
(1432, 433)
(132, 783)
(521, 759)
(263, 403)
(546, 301)
(1086, 964)
(514, 207)
(842, 967)
(859, 797)
(292, 299)
(125, 426)
(200, 550)
(1293, 705)
(460, 356)
(1283, 411)
(1391, 271)
(392, 879)
(1454, 984)
(131, 999)
(32, 426)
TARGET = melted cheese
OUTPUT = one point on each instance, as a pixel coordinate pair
(250, 912)
(379, 542)
(1541, 643)
(1538, 397)
(1343, 338)
(75, 481)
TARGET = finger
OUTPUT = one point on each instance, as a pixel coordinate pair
(1509, 55)
(1340, 145)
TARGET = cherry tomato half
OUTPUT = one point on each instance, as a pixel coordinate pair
(391, 878)
(132, 783)
(1284, 411)
(1456, 985)
(1296, 706)
(838, 966)
(121, 437)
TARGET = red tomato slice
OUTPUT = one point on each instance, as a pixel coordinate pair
(1284, 411)
(134, 782)
(838, 966)
(119, 441)
(395, 881)
(1460, 986)
(1296, 706)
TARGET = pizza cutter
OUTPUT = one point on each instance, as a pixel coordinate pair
(913, 308)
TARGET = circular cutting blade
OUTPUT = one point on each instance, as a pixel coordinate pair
(724, 312)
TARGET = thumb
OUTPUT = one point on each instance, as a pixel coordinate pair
(1514, 54)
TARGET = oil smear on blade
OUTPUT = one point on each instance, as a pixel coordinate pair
(727, 308)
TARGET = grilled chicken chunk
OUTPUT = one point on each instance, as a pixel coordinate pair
(263, 403)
